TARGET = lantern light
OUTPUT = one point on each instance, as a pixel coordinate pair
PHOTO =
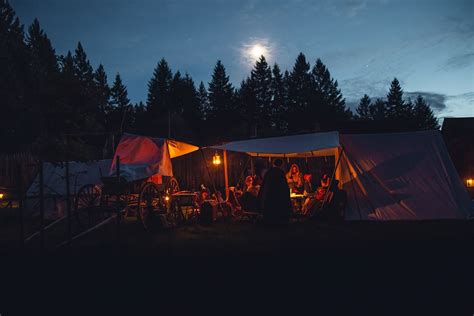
(1, 196)
(167, 198)
(470, 183)
(216, 159)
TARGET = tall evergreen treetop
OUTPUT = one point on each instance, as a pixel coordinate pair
(220, 90)
(363, 110)
(43, 58)
(397, 108)
(102, 87)
(118, 94)
(203, 101)
(261, 75)
(82, 66)
(423, 115)
(159, 88)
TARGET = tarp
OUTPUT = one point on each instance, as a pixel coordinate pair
(142, 156)
(54, 179)
(80, 173)
(306, 145)
(401, 176)
(391, 176)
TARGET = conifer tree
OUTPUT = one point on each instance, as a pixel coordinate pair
(279, 101)
(423, 115)
(220, 92)
(159, 88)
(377, 110)
(363, 110)
(120, 117)
(102, 90)
(299, 96)
(397, 108)
(261, 76)
(203, 101)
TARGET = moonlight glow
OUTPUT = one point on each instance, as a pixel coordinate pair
(256, 51)
(251, 51)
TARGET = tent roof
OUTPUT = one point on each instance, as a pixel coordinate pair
(177, 148)
(305, 145)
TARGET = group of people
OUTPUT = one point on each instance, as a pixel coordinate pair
(271, 195)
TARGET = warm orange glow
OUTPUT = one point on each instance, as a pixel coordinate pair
(1, 195)
(470, 183)
(216, 159)
(167, 198)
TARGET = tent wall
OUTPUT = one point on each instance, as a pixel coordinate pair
(401, 176)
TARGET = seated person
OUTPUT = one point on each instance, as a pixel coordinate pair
(308, 186)
(295, 179)
(250, 187)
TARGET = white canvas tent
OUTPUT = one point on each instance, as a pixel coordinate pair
(80, 173)
(399, 176)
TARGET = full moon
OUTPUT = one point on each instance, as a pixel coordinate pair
(256, 51)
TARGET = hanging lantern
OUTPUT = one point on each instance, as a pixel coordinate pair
(470, 183)
(216, 159)
(1, 196)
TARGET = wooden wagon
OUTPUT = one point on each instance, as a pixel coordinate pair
(140, 183)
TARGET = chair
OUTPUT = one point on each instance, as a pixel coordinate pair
(239, 208)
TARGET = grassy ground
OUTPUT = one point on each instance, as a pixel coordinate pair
(230, 239)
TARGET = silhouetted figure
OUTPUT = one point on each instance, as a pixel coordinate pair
(274, 195)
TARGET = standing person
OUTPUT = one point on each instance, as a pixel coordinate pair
(295, 179)
(274, 195)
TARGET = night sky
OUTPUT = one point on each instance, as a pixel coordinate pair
(427, 45)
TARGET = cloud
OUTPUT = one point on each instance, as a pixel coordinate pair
(460, 61)
(437, 101)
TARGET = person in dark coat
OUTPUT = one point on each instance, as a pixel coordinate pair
(274, 195)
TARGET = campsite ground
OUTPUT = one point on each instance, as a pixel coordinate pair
(427, 263)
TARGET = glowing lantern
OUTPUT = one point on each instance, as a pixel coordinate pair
(167, 198)
(1, 196)
(470, 183)
(216, 159)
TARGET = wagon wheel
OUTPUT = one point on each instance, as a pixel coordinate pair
(150, 201)
(88, 200)
(172, 186)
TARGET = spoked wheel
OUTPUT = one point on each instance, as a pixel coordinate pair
(172, 186)
(87, 204)
(150, 201)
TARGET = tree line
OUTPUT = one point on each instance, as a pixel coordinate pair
(60, 105)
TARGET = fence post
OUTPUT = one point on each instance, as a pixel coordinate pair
(20, 208)
(117, 165)
(68, 206)
(41, 206)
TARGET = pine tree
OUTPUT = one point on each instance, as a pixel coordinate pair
(102, 91)
(279, 101)
(203, 101)
(423, 115)
(377, 110)
(82, 67)
(248, 106)
(120, 117)
(14, 80)
(397, 108)
(363, 110)
(261, 76)
(43, 60)
(220, 92)
(328, 102)
(159, 88)
(299, 96)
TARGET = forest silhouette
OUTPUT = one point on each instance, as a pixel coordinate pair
(57, 105)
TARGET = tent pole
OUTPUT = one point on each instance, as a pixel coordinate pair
(331, 179)
(226, 176)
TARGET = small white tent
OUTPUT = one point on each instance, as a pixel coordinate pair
(80, 174)
(398, 176)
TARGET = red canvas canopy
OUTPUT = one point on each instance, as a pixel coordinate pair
(143, 156)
